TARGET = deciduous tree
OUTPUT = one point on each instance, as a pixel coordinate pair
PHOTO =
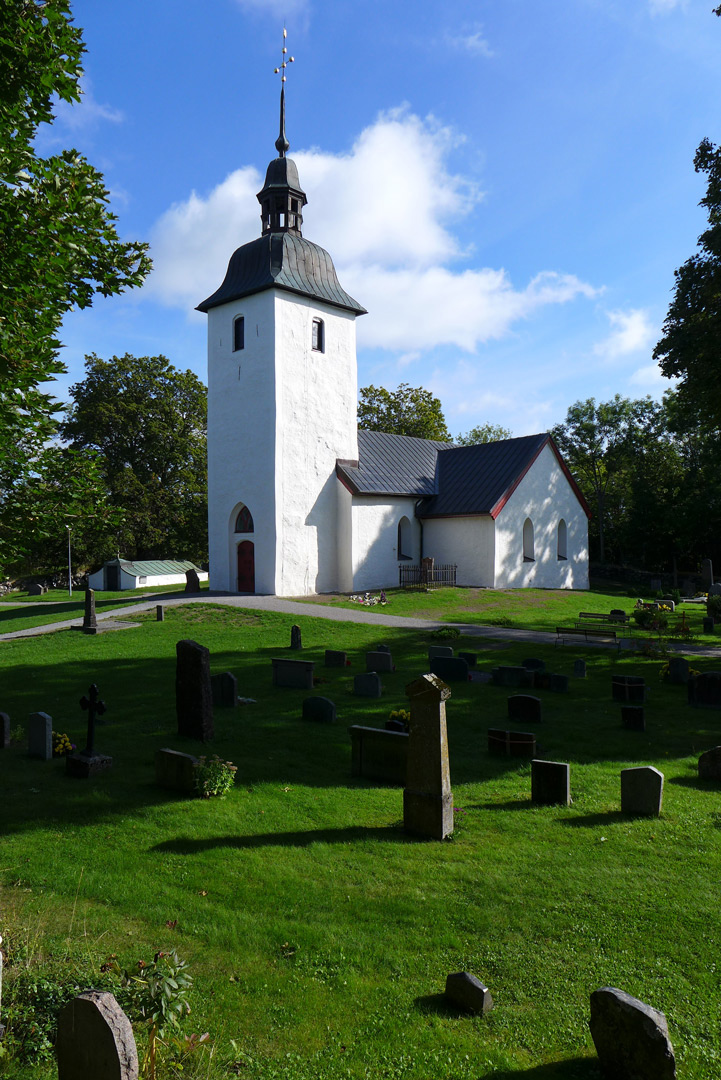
(405, 411)
(483, 433)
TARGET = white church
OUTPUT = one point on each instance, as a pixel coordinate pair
(299, 500)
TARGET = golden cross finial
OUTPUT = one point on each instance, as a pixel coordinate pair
(285, 59)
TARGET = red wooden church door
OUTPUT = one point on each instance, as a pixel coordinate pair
(246, 566)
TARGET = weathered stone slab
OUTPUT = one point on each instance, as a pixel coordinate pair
(5, 731)
(532, 663)
(321, 710)
(335, 658)
(709, 764)
(175, 771)
(380, 661)
(367, 684)
(558, 684)
(641, 791)
(378, 754)
(37, 590)
(224, 689)
(630, 1037)
(511, 743)
(449, 668)
(192, 581)
(297, 674)
(90, 622)
(95, 1040)
(678, 670)
(628, 688)
(296, 638)
(468, 992)
(427, 798)
(550, 783)
(159, 613)
(524, 709)
(439, 650)
(514, 677)
(704, 691)
(633, 717)
(707, 624)
(382, 648)
(579, 669)
(469, 657)
(707, 574)
(193, 695)
(81, 766)
(40, 736)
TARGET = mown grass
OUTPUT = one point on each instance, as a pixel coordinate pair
(319, 934)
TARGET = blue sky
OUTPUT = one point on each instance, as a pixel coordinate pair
(507, 188)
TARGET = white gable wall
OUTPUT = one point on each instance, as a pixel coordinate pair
(467, 542)
(375, 539)
(545, 496)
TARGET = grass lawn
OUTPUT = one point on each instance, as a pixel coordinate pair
(319, 935)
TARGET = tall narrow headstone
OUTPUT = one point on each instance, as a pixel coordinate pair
(579, 669)
(427, 798)
(295, 638)
(4, 731)
(90, 622)
(707, 574)
(95, 1040)
(192, 581)
(193, 695)
(159, 613)
(40, 736)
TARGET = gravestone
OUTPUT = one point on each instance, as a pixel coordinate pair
(558, 684)
(296, 674)
(655, 584)
(382, 648)
(709, 764)
(617, 615)
(379, 661)
(296, 641)
(449, 668)
(192, 581)
(633, 717)
(159, 613)
(550, 783)
(579, 669)
(37, 590)
(715, 589)
(513, 677)
(541, 680)
(524, 709)
(511, 743)
(439, 650)
(533, 664)
(95, 1040)
(40, 736)
(706, 575)
(641, 791)
(224, 690)
(334, 658)
(631, 688)
(469, 657)
(367, 685)
(678, 670)
(378, 754)
(631, 1038)
(90, 622)
(427, 797)
(468, 992)
(193, 694)
(5, 731)
(704, 690)
(707, 624)
(88, 762)
(175, 771)
(319, 709)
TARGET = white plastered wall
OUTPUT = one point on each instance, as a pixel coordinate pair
(375, 539)
(466, 542)
(545, 496)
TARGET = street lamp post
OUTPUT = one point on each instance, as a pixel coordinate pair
(70, 567)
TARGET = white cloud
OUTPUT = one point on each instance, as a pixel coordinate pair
(632, 332)
(663, 7)
(87, 112)
(473, 42)
(650, 379)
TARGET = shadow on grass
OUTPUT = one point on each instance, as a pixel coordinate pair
(576, 1069)
(512, 804)
(694, 782)
(186, 845)
(587, 821)
(438, 1005)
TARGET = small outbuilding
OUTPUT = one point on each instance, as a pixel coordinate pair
(118, 574)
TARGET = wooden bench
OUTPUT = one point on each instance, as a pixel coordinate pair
(588, 633)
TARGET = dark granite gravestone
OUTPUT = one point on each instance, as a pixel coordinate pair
(159, 613)
(617, 615)
(439, 650)
(633, 717)
(524, 709)
(533, 664)
(377, 754)
(334, 658)
(224, 690)
(88, 762)
(381, 661)
(513, 677)
(427, 797)
(297, 674)
(541, 680)
(655, 584)
(709, 764)
(550, 783)
(193, 695)
(707, 624)
(468, 992)
(175, 771)
(382, 648)
(631, 688)
(469, 657)
(296, 640)
(449, 668)
(511, 743)
(192, 581)
(40, 736)
(95, 1040)
(678, 670)
(641, 791)
(90, 622)
(319, 709)
(558, 684)
(631, 1038)
(367, 685)
(704, 691)
(5, 731)
(579, 669)
(706, 574)
(37, 590)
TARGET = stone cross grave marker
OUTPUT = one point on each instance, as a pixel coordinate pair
(193, 694)
(630, 1037)
(427, 797)
(40, 736)
(95, 1040)
(88, 762)
(90, 622)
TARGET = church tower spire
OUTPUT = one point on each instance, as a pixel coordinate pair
(282, 198)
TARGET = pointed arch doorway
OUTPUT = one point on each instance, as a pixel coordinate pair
(246, 566)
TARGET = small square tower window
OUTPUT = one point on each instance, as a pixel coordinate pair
(318, 336)
(238, 333)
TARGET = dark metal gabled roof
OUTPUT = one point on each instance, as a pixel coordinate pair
(282, 261)
(392, 465)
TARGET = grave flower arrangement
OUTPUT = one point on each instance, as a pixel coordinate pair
(214, 777)
(62, 744)
(400, 717)
(368, 600)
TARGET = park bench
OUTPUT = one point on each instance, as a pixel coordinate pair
(588, 633)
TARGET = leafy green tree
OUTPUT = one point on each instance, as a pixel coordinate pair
(147, 421)
(483, 433)
(405, 411)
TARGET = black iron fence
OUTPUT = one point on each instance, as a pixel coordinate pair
(426, 578)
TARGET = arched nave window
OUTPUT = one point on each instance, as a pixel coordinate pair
(528, 549)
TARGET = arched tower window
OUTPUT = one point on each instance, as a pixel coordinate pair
(562, 547)
(405, 540)
(318, 342)
(528, 548)
(244, 521)
(238, 333)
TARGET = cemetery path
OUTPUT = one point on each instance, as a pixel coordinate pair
(372, 617)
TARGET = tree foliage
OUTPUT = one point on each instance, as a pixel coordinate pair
(484, 433)
(147, 422)
(405, 411)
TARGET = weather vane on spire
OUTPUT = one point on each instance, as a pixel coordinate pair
(281, 143)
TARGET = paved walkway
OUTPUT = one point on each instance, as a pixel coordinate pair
(369, 616)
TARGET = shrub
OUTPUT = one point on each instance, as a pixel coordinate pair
(214, 777)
